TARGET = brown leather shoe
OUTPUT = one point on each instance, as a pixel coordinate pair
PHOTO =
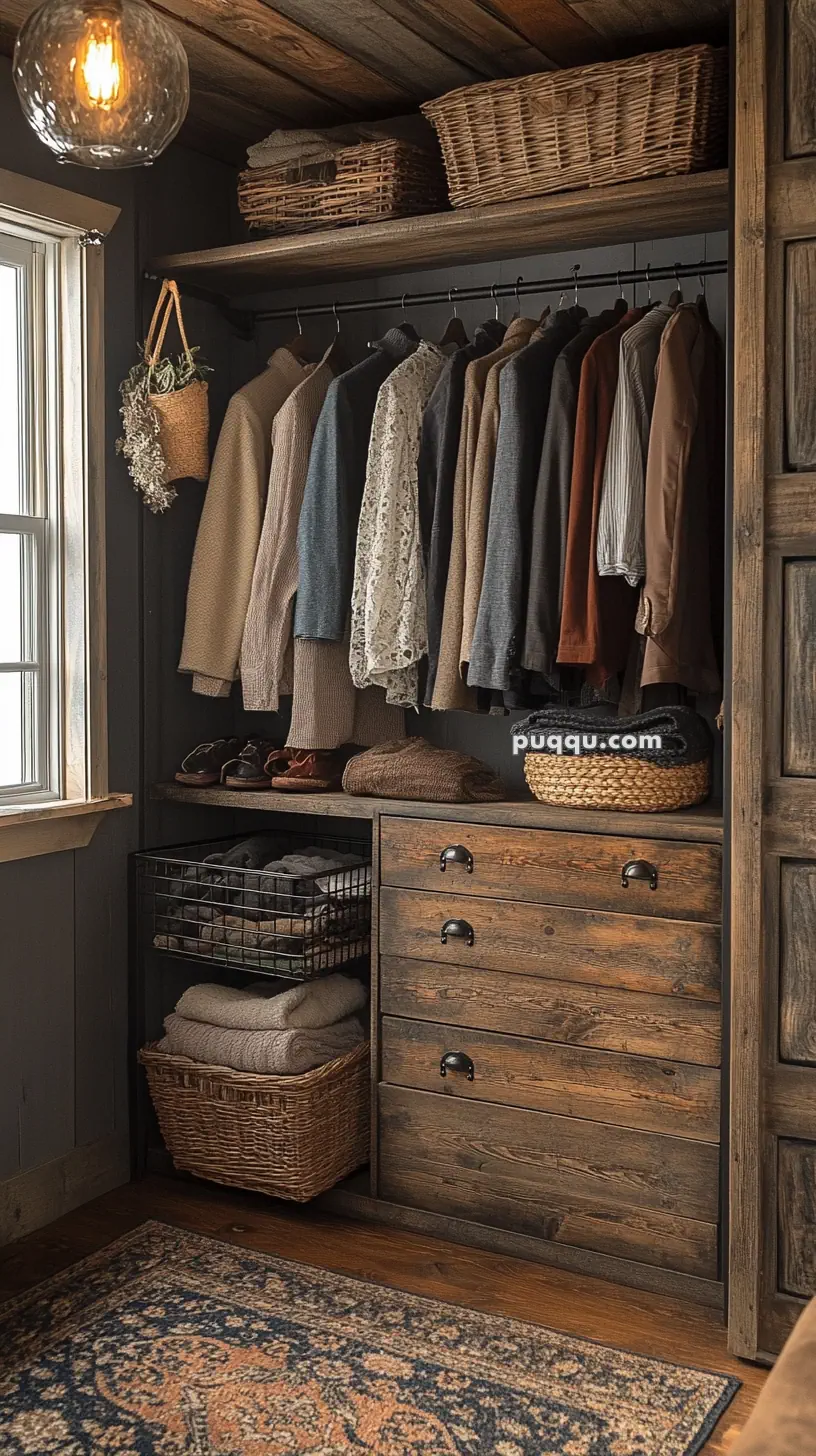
(313, 770)
(248, 770)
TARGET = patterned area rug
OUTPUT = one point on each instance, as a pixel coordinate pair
(166, 1342)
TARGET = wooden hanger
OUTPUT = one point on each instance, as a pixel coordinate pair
(455, 331)
(677, 297)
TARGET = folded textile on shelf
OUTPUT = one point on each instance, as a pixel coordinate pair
(670, 736)
(348, 884)
(280, 886)
(412, 768)
(265, 1007)
(304, 146)
(267, 1053)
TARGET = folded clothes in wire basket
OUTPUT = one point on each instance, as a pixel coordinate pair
(254, 907)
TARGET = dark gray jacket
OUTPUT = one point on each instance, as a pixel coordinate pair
(327, 533)
(524, 395)
(441, 424)
(552, 497)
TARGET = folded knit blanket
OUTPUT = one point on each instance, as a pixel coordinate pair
(269, 1053)
(412, 768)
(304, 146)
(684, 737)
(263, 1007)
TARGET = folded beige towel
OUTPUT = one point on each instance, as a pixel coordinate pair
(305, 146)
(268, 1053)
(263, 1007)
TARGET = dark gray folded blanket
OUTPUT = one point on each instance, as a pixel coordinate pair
(667, 736)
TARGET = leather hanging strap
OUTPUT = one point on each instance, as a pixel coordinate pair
(169, 302)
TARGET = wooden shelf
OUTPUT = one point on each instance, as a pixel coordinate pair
(634, 211)
(702, 825)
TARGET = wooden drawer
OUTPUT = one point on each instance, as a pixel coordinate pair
(678, 958)
(559, 1011)
(638, 1092)
(553, 868)
(638, 1195)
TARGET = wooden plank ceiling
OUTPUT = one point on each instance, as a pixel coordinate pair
(260, 64)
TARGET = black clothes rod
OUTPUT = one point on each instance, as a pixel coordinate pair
(569, 284)
(244, 319)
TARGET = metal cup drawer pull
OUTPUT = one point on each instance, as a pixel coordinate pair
(639, 869)
(457, 1062)
(456, 854)
(460, 929)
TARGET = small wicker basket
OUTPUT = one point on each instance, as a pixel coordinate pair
(606, 782)
(650, 116)
(372, 182)
(289, 1137)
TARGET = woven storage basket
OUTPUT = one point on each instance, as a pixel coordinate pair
(290, 1137)
(650, 116)
(607, 782)
(372, 182)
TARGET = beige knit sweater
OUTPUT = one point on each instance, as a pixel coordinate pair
(230, 528)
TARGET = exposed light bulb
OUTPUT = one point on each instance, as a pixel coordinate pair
(101, 70)
(103, 82)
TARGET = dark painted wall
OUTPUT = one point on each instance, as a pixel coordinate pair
(64, 942)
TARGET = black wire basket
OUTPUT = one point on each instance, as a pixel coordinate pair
(299, 925)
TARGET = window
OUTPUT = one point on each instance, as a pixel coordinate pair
(52, 670)
(29, 522)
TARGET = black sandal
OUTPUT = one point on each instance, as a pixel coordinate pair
(204, 765)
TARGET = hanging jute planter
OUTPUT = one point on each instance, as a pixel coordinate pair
(165, 411)
(184, 414)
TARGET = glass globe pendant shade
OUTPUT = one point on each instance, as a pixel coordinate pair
(104, 83)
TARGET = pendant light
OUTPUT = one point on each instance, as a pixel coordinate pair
(104, 83)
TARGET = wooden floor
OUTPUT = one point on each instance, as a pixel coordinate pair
(646, 1323)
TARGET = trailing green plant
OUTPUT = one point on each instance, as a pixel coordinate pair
(141, 442)
(169, 374)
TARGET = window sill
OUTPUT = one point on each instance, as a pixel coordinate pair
(49, 828)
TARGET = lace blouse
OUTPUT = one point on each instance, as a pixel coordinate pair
(389, 632)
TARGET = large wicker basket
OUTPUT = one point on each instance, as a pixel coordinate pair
(290, 1137)
(602, 781)
(372, 182)
(653, 115)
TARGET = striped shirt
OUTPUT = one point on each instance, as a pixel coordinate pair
(621, 548)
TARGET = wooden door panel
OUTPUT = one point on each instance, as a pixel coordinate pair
(797, 991)
(800, 353)
(772, 693)
(801, 100)
(799, 704)
(797, 1218)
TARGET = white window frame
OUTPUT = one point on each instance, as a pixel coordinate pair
(67, 519)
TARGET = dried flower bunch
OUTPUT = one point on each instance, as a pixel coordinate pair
(141, 444)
